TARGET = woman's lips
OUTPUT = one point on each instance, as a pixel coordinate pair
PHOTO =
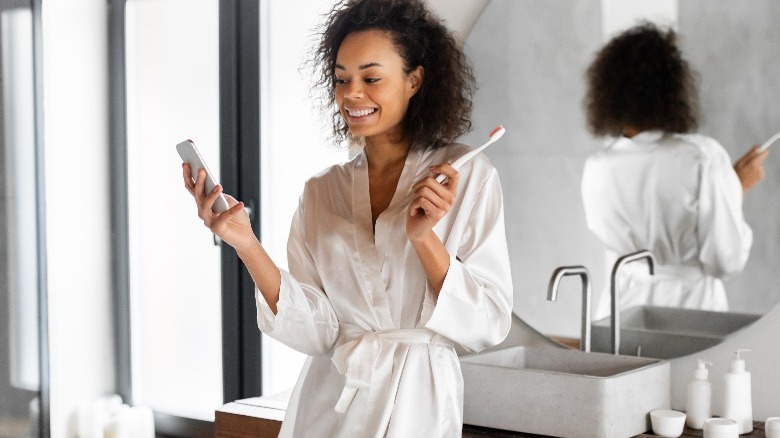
(358, 115)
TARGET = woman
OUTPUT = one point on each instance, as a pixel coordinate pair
(388, 269)
(657, 186)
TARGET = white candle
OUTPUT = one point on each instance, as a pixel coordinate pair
(93, 415)
(135, 422)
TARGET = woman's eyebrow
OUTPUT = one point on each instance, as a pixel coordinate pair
(361, 67)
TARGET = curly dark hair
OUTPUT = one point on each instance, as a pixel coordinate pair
(440, 111)
(639, 79)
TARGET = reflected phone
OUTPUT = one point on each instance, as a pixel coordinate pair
(189, 154)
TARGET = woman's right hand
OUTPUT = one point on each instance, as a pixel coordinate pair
(750, 168)
(232, 226)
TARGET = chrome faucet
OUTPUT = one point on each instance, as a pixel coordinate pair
(615, 316)
(552, 295)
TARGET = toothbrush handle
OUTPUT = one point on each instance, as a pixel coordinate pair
(769, 142)
(495, 134)
(460, 161)
(456, 165)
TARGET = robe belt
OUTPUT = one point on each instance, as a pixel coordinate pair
(356, 358)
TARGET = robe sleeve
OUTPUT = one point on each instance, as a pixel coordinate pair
(305, 319)
(724, 236)
(474, 306)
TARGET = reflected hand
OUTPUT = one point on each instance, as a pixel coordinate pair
(750, 168)
(233, 225)
(432, 200)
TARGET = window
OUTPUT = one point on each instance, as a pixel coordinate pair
(172, 77)
(24, 400)
(183, 343)
(292, 148)
(187, 331)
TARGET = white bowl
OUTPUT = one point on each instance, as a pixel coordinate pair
(667, 423)
(720, 428)
(772, 427)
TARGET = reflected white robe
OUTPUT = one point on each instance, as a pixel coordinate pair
(678, 196)
(345, 281)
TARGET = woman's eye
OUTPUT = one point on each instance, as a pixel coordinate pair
(340, 81)
(372, 80)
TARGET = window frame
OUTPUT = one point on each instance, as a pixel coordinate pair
(44, 404)
(44, 420)
(239, 114)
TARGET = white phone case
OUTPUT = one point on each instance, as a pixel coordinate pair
(189, 153)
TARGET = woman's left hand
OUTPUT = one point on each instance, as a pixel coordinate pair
(432, 200)
(750, 168)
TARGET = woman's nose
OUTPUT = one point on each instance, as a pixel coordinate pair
(353, 90)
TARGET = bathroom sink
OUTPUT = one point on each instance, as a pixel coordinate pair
(563, 393)
(667, 332)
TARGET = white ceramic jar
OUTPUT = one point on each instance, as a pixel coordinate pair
(667, 423)
(772, 427)
(720, 428)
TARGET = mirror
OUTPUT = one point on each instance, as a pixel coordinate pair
(529, 58)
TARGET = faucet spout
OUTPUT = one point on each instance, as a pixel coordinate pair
(615, 316)
(552, 295)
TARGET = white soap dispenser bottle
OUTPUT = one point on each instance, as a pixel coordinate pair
(737, 401)
(698, 403)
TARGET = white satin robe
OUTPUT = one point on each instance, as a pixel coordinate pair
(351, 297)
(678, 196)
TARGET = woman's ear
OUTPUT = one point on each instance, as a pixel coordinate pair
(415, 79)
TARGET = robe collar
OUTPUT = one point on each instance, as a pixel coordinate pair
(641, 140)
(367, 240)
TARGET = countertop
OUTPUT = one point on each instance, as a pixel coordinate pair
(483, 432)
(262, 417)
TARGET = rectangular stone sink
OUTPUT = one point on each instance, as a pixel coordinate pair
(563, 393)
(667, 332)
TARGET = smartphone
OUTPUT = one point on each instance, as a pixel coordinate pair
(189, 154)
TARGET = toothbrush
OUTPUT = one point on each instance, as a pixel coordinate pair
(769, 142)
(495, 134)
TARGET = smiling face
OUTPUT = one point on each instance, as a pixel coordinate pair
(372, 89)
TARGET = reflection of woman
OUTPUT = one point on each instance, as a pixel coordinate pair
(657, 186)
(388, 268)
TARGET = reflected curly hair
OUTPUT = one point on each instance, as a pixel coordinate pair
(440, 111)
(639, 79)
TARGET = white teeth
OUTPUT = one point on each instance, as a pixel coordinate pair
(360, 112)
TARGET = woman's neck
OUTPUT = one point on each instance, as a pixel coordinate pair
(630, 131)
(384, 154)
(386, 160)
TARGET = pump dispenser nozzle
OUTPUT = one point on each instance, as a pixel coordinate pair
(737, 363)
(702, 372)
